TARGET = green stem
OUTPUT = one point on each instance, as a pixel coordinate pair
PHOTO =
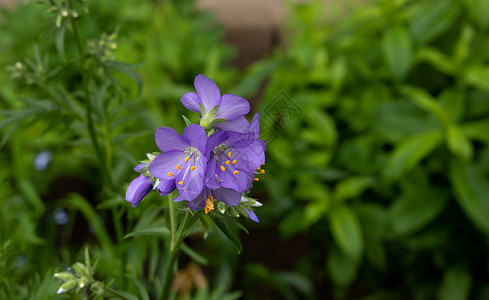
(116, 293)
(174, 250)
(88, 107)
(171, 206)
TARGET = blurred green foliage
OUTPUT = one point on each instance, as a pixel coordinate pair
(378, 185)
(389, 162)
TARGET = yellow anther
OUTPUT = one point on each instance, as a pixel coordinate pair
(229, 154)
(178, 167)
(170, 174)
(181, 182)
(187, 158)
(228, 162)
(234, 162)
(192, 168)
(209, 204)
(262, 171)
(223, 169)
(256, 179)
(262, 164)
(258, 169)
(235, 172)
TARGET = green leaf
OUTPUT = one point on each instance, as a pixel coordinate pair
(431, 19)
(479, 11)
(455, 285)
(323, 124)
(458, 143)
(60, 42)
(194, 255)
(154, 231)
(477, 130)
(229, 226)
(375, 253)
(415, 209)
(352, 187)
(129, 70)
(463, 46)
(422, 99)
(471, 190)
(477, 76)
(346, 231)
(437, 59)
(410, 152)
(341, 268)
(398, 49)
(76, 201)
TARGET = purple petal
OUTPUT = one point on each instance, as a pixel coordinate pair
(139, 167)
(196, 136)
(228, 196)
(198, 202)
(238, 125)
(238, 182)
(255, 126)
(178, 198)
(215, 139)
(249, 155)
(211, 178)
(232, 107)
(138, 189)
(168, 139)
(252, 216)
(165, 163)
(191, 101)
(166, 187)
(192, 181)
(208, 92)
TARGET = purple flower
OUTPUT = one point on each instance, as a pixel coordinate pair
(215, 108)
(207, 197)
(182, 161)
(234, 159)
(138, 189)
(143, 184)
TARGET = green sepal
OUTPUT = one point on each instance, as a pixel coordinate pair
(217, 121)
(187, 121)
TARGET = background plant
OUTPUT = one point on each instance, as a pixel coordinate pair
(388, 165)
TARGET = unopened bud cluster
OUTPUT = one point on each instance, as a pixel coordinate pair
(103, 48)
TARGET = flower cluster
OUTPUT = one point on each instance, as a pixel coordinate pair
(217, 160)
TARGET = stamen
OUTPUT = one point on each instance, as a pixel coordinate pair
(258, 169)
(262, 171)
(170, 174)
(181, 182)
(234, 162)
(228, 162)
(262, 164)
(209, 204)
(256, 179)
(187, 158)
(178, 167)
(235, 172)
(192, 168)
(223, 169)
(229, 154)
